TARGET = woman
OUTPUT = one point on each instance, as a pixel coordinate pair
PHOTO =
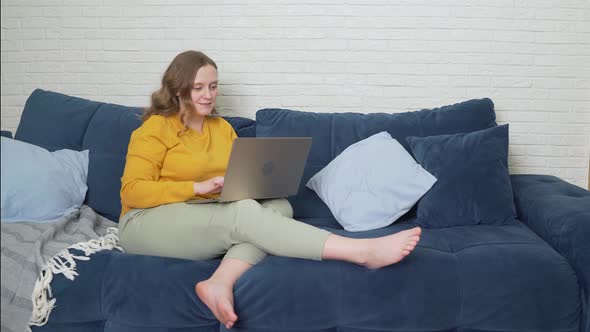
(180, 152)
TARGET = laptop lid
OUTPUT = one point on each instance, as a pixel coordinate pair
(265, 167)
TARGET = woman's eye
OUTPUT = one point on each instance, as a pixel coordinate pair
(213, 87)
(198, 88)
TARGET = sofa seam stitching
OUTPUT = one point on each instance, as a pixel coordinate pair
(479, 245)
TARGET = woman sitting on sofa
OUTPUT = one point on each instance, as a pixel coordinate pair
(181, 152)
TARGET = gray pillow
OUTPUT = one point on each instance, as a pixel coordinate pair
(38, 185)
(371, 183)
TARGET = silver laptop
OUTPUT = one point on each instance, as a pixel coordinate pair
(263, 167)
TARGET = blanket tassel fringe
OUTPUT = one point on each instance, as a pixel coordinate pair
(65, 263)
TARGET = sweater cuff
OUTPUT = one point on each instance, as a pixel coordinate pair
(188, 190)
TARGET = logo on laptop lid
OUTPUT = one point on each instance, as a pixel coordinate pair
(268, 168)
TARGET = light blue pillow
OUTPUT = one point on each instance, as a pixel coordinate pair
(38, 185)
(371, 183)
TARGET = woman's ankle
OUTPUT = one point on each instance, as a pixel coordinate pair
(229, 271)
(363, 251)
(346, 249)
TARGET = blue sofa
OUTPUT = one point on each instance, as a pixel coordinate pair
(530, 275)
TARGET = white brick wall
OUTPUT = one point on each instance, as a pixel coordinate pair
(532, 57)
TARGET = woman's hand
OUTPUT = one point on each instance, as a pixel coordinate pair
(211, 186)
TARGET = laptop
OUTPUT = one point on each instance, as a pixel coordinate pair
(263, 167)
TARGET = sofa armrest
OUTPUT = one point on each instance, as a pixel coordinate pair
(6, 133)
(559, 212)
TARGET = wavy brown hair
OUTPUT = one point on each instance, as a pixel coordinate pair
(177, 84)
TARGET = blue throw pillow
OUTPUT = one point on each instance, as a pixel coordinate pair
(38, 185)
(371, 183)
(473, 184)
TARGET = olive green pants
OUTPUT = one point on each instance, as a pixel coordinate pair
(246, 230)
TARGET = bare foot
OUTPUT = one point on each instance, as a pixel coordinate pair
(220, 299)
(391, 249)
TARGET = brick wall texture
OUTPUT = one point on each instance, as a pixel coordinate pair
(532, 57)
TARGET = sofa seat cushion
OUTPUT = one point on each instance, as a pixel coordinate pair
(466, 278)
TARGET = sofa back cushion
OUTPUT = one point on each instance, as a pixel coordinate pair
(107, 138)
(57, 121)
(334, 132)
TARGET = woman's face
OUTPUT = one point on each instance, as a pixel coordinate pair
(204, 90)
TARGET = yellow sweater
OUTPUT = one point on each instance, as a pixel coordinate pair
(163, 162)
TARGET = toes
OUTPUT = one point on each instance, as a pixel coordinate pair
(227, 314)
(405, 252)
(413, 232)
(218, 316)
(231, 323)
(218, 301)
